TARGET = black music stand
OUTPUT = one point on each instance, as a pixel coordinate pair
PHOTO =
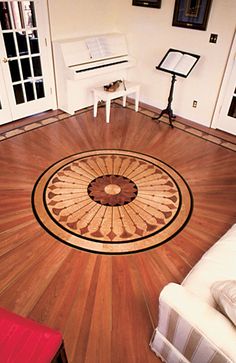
(178, 63)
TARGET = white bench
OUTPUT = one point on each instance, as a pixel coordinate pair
(101, 95)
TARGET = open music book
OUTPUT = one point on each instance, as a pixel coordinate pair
(178, 62)
(98, 47)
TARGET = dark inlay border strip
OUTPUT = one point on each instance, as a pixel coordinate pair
(177, 124)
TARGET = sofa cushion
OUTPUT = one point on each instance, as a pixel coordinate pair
(217, 264)
(224, 293)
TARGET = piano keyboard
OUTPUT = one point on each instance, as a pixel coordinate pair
(101, 66)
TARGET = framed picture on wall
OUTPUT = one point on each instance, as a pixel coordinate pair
(147, 3)
(191, 14)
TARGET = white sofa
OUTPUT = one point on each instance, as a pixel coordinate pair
(191, 327)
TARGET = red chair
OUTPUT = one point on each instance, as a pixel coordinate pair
(25, 341)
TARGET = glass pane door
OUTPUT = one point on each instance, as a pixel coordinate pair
(23, 55)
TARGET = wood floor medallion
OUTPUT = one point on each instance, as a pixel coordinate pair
(112, 201)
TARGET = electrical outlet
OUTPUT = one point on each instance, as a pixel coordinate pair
(213, 38)
(194, 103)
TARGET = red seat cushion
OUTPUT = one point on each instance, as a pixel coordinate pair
(25, 341)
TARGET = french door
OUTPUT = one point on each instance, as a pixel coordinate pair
(225, 113)
(5, 112)
(26, 70)
(227, 116)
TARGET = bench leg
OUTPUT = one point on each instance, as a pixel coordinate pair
(124, 101)
(108, 109)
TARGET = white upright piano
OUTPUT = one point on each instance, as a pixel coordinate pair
(84, 63)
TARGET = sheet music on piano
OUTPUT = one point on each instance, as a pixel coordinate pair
(98, 47)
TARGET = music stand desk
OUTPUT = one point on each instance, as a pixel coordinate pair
(175, 70)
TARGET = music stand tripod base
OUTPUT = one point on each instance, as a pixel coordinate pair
(168, 110)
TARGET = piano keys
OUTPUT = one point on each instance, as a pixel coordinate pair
(82, 64)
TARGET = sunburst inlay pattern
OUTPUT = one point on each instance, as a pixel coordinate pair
(112, 201)
(112, 190)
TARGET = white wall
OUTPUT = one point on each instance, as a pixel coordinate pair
(150, 34)
(73, 18)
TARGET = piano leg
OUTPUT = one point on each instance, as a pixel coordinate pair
(136, 99)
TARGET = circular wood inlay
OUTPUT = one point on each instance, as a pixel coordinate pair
(112, 201)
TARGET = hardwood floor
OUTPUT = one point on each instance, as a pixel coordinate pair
(106, 306)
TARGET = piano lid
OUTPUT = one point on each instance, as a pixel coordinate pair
(91, 49)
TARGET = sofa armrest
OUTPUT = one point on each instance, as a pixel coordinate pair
(182, 312)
